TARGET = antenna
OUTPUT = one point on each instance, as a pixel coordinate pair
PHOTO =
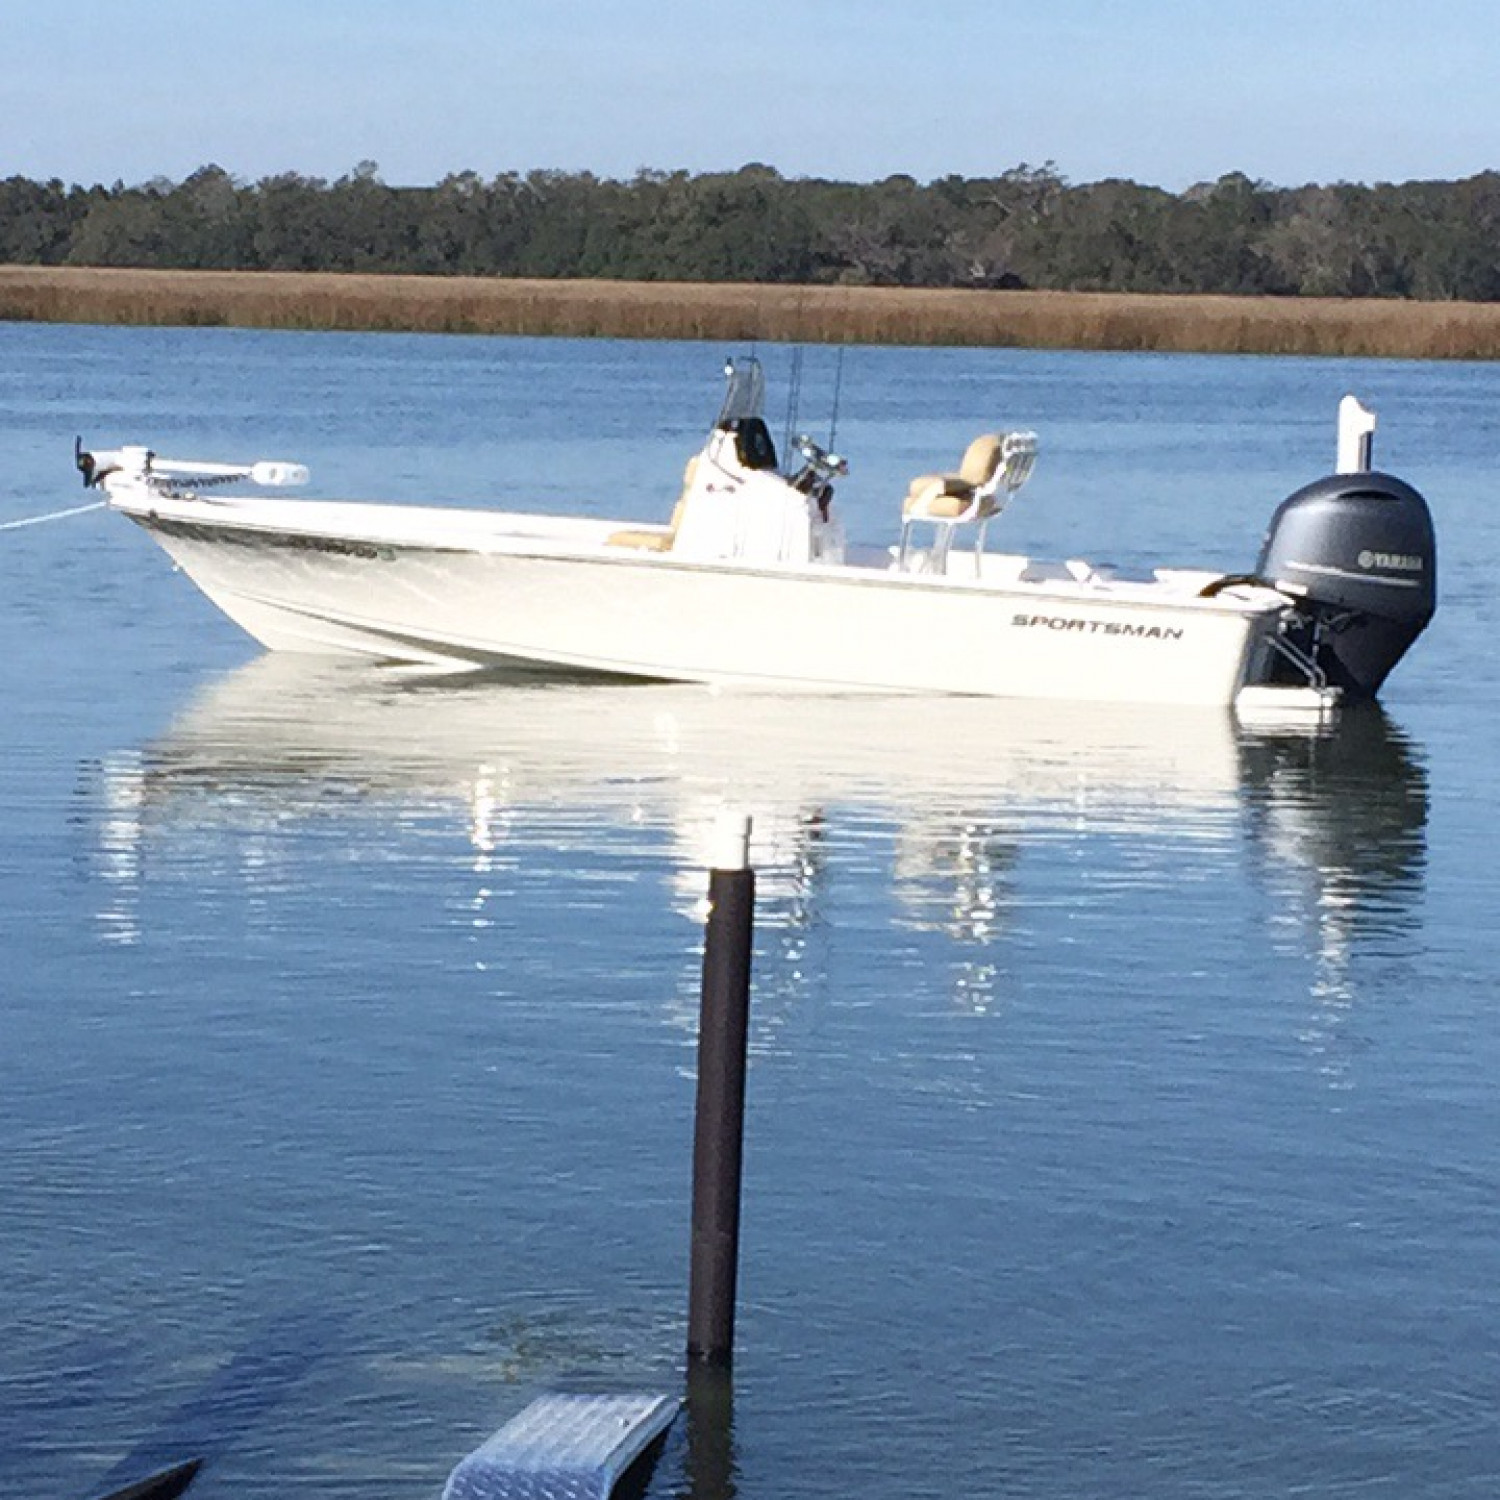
(793, 400)
(838, 386)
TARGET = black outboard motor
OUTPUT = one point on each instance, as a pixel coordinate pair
(1357, 550)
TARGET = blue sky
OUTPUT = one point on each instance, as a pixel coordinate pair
(1170, 92)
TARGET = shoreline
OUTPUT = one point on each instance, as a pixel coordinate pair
(1139, 322)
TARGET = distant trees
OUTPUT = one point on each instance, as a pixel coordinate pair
(1027, 227)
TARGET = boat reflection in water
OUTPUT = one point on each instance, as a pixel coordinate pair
(1338, 829)
(936, 804)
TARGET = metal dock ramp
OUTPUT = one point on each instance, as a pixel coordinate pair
(563, 1447)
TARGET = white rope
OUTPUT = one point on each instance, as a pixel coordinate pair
(56, 515)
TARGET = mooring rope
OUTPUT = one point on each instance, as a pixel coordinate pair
(55, 515)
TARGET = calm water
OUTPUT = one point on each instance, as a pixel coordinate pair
(1124, 1103)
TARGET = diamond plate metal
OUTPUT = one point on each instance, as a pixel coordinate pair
(563, 1447)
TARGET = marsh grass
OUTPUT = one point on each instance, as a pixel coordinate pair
(812, 314)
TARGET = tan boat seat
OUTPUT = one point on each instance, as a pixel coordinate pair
(659, 539)
(948, 496)
(994, 466)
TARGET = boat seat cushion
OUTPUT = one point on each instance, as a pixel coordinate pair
(656, 539)
(944, 497)
(642, 541)
(940, 496)
(981, 459)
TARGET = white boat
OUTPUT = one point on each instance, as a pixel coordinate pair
(751, 582)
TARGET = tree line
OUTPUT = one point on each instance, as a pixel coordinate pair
(1027, 227)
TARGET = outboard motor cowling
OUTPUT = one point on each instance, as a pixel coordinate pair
(1358, 552)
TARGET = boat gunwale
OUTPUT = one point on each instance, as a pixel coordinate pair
(175, 516)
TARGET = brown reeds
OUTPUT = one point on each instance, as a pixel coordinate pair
(807, 314)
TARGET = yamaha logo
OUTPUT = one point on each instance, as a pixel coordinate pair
(1396, 562)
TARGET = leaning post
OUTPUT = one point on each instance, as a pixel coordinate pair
(719, 1117)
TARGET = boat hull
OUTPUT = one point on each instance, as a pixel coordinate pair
(564, 603)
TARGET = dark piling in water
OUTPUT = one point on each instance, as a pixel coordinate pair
(718, 1137)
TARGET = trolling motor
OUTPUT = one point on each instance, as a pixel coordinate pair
(179, 476)
(88, 466)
